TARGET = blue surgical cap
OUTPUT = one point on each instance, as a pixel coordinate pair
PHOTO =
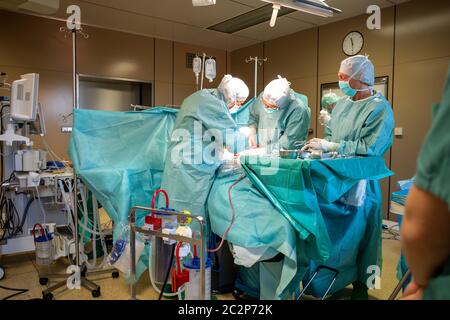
(359, 68)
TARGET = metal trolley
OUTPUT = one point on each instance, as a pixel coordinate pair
(199, 242)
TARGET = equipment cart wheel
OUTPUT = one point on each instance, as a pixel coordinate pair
(47, 296)
(96, 293)
(2, 273)
(115, 274)
(43, 281)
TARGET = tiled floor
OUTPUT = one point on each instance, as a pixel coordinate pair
(21, 272)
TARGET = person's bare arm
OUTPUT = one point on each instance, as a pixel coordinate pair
(425, 234)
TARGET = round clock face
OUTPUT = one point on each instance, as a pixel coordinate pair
(353, 43)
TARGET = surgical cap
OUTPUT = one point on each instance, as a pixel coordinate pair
(329, 99)
(233, 89)
(277, 92)
(359, 68)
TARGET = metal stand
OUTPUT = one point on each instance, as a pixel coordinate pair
(258, 61)
(336, 273)
(67, 278)
(193, 241)
(399, 286)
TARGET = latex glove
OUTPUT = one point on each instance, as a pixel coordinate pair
(227, 155)
(321, 144)
(324, 117)
(250, 133)
(247, 131)
(254, 152)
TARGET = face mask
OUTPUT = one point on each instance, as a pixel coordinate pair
(270, 111)
(346, 89)
(234, 109)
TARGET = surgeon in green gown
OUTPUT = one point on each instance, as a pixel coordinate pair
(362, 124)
(426, 223)
(279, 117)
(327, 103)
(204, 133)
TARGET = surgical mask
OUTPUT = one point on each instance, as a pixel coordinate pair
(270, 111)
(348, 90)
(234, 108)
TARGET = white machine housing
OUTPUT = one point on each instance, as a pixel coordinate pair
(24, 97)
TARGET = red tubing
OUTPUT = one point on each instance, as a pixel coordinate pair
(155, 195)
(232, 216)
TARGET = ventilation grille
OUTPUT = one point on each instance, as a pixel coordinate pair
(189, 58)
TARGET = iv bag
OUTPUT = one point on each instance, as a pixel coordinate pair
(197, 65)
(210, 69)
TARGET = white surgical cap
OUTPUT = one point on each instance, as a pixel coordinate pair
(359, 68)
(277, 92)
(233, 89)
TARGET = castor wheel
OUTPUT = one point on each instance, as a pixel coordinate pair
(47, 296)
(43, 281)
(96, 293)
(2, 273)
(115, 274)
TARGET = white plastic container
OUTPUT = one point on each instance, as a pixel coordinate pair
(210, 69)
(193, 286)
(123, 261)
(43, 244)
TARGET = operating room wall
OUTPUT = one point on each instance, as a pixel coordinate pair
(34, 44)
(412, 49)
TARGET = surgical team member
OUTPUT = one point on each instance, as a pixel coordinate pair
(426, 224)
(203, 128)
(362, 124)
(279, 118)
(328, 102)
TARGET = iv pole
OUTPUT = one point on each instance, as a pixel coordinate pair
(258, 61)
(83, 281)
(203, 70)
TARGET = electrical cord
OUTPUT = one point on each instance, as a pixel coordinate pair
(168, 272)
(20, 291)
(9, 216)
(222, 241)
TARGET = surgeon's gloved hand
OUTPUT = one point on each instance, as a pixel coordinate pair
(247, 131)
(321, 144)
(227, 155)
(250, 134)
(324, 117)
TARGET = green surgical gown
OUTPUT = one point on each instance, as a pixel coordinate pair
(191, 164)
(363, 128)
(433, 175)
(286, 127)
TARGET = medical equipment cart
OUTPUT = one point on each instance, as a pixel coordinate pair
(195, 241)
